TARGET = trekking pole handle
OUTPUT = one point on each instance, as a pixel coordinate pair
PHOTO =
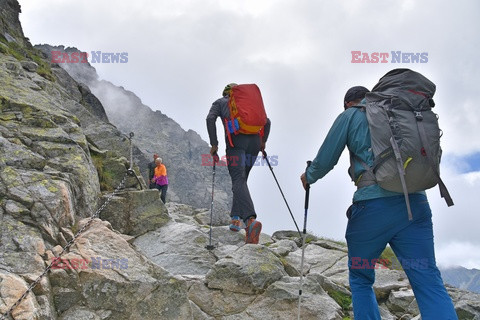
(307, 189)
(215, 158)
(265, 156)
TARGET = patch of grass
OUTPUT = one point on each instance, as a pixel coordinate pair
(3, 39)
(3, 49)
(45, 72)
(75, 228)
(312, 234)
(44, 69)
(104, 176)
(21, 54)
(309, 238)
(15, 50)
(340, 243)
(342, 299)
(389, 259)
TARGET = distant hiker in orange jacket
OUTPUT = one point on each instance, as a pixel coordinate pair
(160, 178)
(241, 155)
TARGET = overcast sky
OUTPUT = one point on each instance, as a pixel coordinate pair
(182, 53)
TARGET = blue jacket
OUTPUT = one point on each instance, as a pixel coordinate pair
(349, 129)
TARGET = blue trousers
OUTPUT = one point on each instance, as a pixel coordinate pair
(375, 223)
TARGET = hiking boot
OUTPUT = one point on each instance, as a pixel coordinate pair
(252, 231)
(236, 224)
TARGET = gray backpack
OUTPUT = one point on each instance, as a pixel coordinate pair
(405, 135)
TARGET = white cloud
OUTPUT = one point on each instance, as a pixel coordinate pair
(454, 254)
(473, 179)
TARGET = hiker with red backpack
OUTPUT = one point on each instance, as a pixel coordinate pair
(378, 215)
(246, 132)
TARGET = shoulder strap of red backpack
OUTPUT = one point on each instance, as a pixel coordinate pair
(228, 133)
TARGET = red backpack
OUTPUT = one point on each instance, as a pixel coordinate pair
(247, 112)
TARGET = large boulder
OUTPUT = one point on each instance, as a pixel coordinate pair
(135, 212)
(177, 247)
(11, 288)
(250, 269)
(402, 302)
(280, 301)
(116, 282)
(467, 304)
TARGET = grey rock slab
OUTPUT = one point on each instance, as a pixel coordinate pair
(400, 301)
(317, 259)
(280, 301)
(177, 247)
(250, 269)
(387, 280)
(218, 303)
(133, 288)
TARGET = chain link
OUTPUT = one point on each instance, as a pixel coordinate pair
(67, 246)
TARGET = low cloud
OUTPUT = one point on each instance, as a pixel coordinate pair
(455, 254)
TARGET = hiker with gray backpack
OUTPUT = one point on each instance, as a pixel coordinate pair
(394, 143)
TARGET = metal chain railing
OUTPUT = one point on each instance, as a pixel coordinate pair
(67, 246)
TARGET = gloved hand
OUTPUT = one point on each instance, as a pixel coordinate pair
(213, 150)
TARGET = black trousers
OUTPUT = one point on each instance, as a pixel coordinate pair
(241, 159)
(163, 189)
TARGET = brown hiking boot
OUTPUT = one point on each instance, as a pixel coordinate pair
(252, 231)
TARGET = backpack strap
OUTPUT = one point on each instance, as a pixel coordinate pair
(367, 178)
(228, 133)
(423, 136)
(401, 174)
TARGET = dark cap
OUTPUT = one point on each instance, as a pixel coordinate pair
(354, 93)
(227, 89)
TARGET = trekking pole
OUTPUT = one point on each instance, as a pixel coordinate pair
(210, 246)
(307, 195)
(284, 199)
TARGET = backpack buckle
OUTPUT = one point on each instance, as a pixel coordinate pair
(418, 115)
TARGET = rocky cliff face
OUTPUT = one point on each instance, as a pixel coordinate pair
(155, 132)
(60, 160)
(10, 27)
